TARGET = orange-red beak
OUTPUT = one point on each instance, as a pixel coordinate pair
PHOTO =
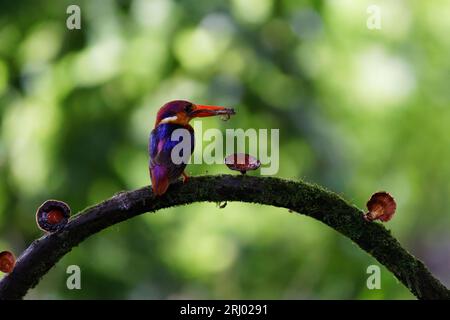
(199, 110)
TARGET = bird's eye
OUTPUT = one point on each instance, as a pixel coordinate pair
(188, 108)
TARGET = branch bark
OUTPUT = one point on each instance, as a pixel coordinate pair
(301, 197)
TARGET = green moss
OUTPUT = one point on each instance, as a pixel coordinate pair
(308, 199)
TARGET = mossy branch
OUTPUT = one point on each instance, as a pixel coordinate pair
(300, 197)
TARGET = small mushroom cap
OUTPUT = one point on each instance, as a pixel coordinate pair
(242, 162)
(7, 261)
(52, 215)
(381, 206)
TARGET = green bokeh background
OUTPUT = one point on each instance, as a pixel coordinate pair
(358, 110)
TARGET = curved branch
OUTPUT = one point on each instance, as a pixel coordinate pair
(300, 197)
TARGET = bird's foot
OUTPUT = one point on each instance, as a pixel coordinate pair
(185, 177)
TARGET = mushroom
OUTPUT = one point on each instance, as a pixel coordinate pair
(52, 215)
(7, 261)
(381, 206)
(242, 162)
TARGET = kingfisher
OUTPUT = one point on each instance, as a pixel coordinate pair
(172, 116)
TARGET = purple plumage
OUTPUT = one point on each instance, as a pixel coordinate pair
(163, 170)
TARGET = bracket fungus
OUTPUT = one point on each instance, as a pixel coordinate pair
(381, 206)
(7, 261)
(52, 215)
(242, 162)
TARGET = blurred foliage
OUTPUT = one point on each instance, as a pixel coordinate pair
(359, 111)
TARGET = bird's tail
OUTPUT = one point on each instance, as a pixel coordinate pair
(160, 180)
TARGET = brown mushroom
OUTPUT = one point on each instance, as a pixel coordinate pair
(52, 215)
(7, 261)
(242, 162)
(381, 206)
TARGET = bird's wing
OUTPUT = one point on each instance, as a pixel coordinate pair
(162, 168)
(158, 171)
(161, 144)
